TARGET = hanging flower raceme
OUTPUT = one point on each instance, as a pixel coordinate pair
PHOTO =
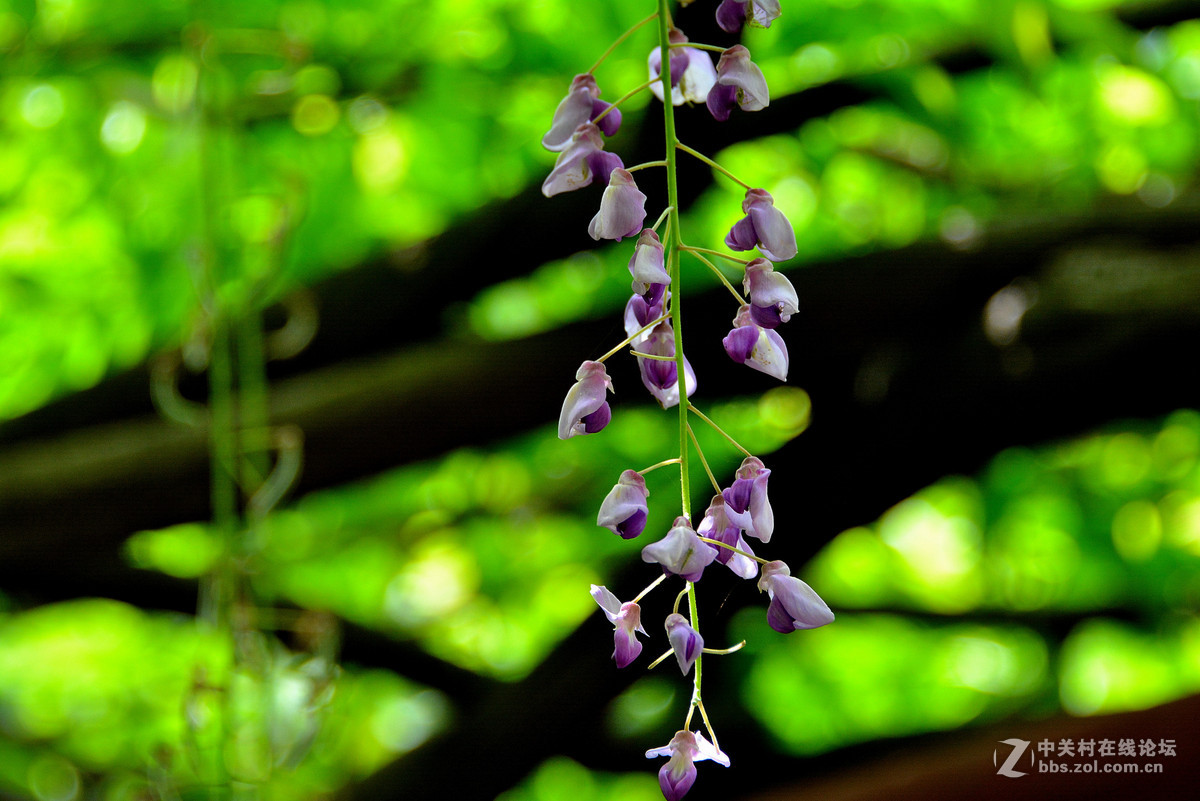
(685, 641)
(661, 376)
(794, 604)
(764, 227)
(647, 265)
(626, 618)
(624, 509)
(622, 208)
(754, 346)
(586, 410)
(692, 73)
(582, 104)
(681, 552)
(716, 525)
(581, 161)
(733, 14)
(746, 501)
(678, 775)
(773, 299)
(739, 83)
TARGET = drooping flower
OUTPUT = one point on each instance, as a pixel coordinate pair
(716, 525)
(580, 162)
(626, 619)
(794, 604)
(754, 346)
(764, 226)
(622, 208)
(746, 502)
(585, 409)
(739, 83)
(582, 104)
(660, 376)
(685, 641)
(773, 299)
(681, 552)
(647, 263)
(678, 775)
(690, 84)
(732, 14)
(641, 310)
(624, 509)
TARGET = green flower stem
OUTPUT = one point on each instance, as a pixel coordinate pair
(659, 661)
(723, 651)
(653, 356)
(719, 430)
(712, 735)
(673, 244)
(712, 164)
(652, 467)
(720, 544)
(694, 615)
(653, 584)
(741, 301)
(631, 337)
(644, 165)
(696, 46)
(661, 217)
(703, 461)
(623, 98)
(620, 39)
(711, 252)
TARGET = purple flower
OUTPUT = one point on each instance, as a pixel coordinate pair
(773, 299)
(626, 618)
(622, 208)
(647, 263)
(624, 510)
(641, 310)
(582, 160)
(794, 604)
(693, 82)
(678, 775)
(585, 410)
(659, 376)
(732, 14)
(716, 525)
(763, 226)
(582, 104)
(757, 347)
(681, 552)
(685, 641)
(739, 83)
(746, 501)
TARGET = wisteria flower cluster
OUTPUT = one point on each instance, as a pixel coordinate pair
(739, 511)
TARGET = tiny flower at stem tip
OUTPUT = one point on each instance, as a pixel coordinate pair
(686, 748)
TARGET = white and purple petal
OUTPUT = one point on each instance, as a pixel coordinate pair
(685, 641)
(622, 208)
(624, 509)
(585, 409)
